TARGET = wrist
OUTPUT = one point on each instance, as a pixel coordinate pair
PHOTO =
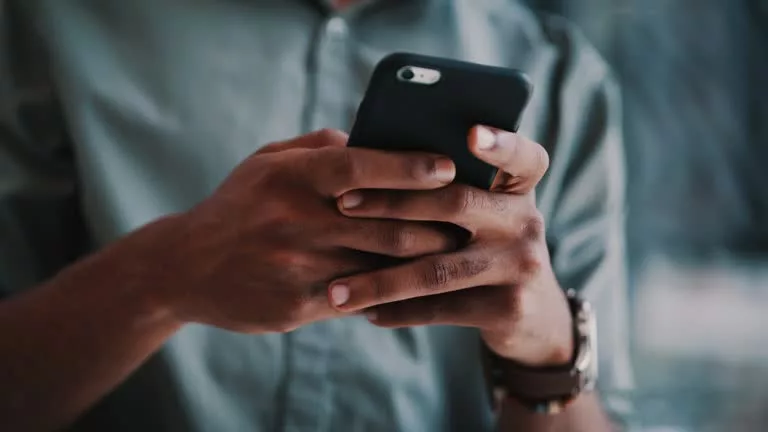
(548, 389)
(544, 340)
(147, 263)
(558, 348)
(118, 283)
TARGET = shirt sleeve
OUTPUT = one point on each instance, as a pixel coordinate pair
(582, 197)
(40, 226)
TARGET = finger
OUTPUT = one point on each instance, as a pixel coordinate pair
(335, 171)
(314, 140)
(522, 161)
(391, 238)
(427, 276)
(315, 271)
(471, 208)
(479, 307)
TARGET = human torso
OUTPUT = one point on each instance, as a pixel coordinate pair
(164, 98)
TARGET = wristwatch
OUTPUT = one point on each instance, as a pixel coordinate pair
(549, 390)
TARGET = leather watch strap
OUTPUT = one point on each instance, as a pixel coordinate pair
(547, 390)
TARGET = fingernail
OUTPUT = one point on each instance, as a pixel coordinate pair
(445, 170)
(351, 199)
(339, 294)
(486, 139)
(371, 315)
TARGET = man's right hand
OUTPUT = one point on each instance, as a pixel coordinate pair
(257, 255)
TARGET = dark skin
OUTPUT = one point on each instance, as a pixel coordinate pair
(506, 255)
(502, 282)
(229, 263)
(437, 290)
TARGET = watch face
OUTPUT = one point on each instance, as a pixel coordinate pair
(586, 360)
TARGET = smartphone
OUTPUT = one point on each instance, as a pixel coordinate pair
(422, 103)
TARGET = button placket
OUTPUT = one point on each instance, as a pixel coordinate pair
(332, 76)
(308, 394)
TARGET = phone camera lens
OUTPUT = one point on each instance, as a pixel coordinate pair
(407, 74)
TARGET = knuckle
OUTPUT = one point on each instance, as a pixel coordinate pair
(500, 203)
(474, 266)
(533, 226)
(378, 288)
(439, 273)
(467, 199)
(344, 164)
(341, 162)
(330, 136)
(292, 263)
(273, 146)
(530, 259)
(349, 168)
(542, 160)
(461, 199)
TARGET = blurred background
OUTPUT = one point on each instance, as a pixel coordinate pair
(694, 75)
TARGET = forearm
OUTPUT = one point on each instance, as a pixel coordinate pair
(68, 342)
(585, 414)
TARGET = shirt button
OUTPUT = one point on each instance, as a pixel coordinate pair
(336, 26)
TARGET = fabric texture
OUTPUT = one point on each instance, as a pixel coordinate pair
(115, 113)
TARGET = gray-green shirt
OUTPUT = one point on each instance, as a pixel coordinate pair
(115, 112)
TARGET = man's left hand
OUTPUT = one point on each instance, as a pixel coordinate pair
(502, 281)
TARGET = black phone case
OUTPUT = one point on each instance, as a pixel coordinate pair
(403, 116)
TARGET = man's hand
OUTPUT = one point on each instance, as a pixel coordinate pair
(257, 255)
(501, 282)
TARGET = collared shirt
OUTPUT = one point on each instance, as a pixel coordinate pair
(115, 113)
